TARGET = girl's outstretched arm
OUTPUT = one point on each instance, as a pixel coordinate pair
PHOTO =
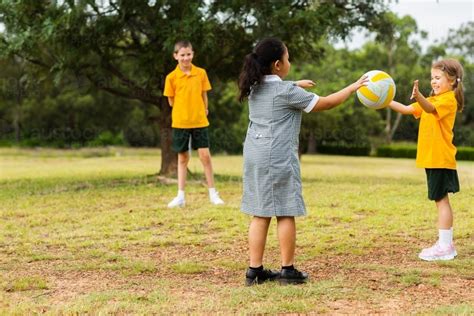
(401, 108)
(305, 83)
(425, 104)
(332, 100)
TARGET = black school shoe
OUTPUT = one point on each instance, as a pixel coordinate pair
(293, 276)
(253, 277)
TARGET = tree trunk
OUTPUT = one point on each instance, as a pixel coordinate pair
(169, 159)
(17, 111)
(388, 126)
(311, 143)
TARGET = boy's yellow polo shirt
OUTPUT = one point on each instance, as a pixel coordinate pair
(435, 135)
(188, 108)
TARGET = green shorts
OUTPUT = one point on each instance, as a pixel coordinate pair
(441, 182)
(199, 138)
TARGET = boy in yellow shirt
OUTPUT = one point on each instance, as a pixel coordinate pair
(186, 88)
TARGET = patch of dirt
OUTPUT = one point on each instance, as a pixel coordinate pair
(376, 273)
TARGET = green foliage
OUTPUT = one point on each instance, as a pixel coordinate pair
(228, 119)
(397, 151)
(125, 47)
(409, 151)
(344, 150)
(350, 124)
(465, 153)
(107, 139)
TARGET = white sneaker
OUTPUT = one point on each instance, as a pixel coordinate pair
(436, 252)
(215, 199)
(177, 202)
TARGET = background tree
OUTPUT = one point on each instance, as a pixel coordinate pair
(124, 47)
(395, 36)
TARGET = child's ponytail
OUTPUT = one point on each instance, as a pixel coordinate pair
(459, 94)
(252, 74)
(258, 64)
(455, 73)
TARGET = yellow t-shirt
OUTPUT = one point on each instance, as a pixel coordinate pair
(435, 135)
(188, 108)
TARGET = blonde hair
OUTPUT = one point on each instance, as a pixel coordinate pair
(455, 73)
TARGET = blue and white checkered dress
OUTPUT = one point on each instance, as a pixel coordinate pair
(272, 179)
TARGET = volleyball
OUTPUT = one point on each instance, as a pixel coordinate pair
(379, 92)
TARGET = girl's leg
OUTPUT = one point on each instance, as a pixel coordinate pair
(445, 213)
(257, 239)
(445, 222)
(205, 157)
(444, 248)
(287, 237)
(183, 159)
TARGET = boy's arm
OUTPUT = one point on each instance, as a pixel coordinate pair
(401, 108)
(204, 98)
(171, 101)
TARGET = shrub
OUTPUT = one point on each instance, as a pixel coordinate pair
(397, 151)
(344, 150)
(409, 151)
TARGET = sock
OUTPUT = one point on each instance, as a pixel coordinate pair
(181, 194)
(445, 237)
(257, 268)
(288, 267)
(212, 191)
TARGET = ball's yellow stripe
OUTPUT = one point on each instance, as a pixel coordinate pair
(368, 94)
(389, 95)
(379, 76)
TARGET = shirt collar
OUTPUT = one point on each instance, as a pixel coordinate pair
(183, 74)
(271, 78)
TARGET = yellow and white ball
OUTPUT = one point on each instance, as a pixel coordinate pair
(379, 92)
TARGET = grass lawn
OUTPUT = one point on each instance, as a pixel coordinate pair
(88, 231)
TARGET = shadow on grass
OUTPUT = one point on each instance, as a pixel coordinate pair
(60, 185)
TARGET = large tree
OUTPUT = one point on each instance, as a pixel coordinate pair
(124, 47)
(397, 37)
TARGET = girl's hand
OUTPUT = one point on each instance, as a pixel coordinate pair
(363, 81)
(415, 92)
(305, 83)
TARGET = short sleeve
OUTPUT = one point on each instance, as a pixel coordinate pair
(300, 99)
(206, 85)
(418, 110)
(169, 87)
(444, 106)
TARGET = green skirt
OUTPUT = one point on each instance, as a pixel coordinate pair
(441, 182)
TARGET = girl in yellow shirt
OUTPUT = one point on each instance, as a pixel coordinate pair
(435, 150)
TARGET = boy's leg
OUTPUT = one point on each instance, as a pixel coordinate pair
(200, 141)
(180, 200)
(205, 157)
(183, 159)
(180, 145)
(287, 237)
(258, 231)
